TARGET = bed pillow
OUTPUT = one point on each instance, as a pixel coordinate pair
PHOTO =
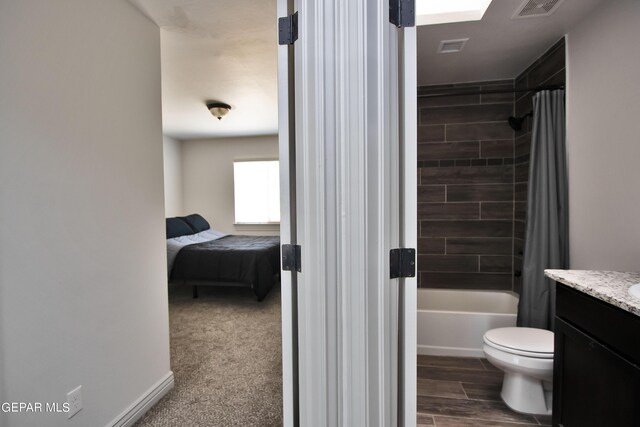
(177, 227)
(196, 222)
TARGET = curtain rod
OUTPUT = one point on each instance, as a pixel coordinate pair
(462, 92)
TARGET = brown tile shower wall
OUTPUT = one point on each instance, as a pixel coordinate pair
(466, 188)
(549, 69)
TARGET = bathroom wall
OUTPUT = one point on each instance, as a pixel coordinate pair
(603, 146)
(472, 185)
(549, 69)
(465, 192)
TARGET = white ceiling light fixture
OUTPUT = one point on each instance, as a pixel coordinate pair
(218, 109)
(431, 12)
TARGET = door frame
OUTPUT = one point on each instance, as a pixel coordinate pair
(383, 393)
(288, 280)
(407, 93)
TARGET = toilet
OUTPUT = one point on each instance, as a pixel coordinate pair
(526, 357)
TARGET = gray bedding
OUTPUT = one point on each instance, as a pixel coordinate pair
(253, 260)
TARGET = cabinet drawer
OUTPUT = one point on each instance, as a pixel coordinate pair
(614, 327)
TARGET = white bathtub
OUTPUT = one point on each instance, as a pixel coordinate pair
(452, 322)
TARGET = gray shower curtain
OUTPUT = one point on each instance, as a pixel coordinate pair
(547, 232)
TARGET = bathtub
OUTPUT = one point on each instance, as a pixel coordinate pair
(452, 322)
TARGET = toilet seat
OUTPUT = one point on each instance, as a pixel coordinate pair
(528, 342)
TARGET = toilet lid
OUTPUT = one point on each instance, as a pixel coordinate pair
(523, 341)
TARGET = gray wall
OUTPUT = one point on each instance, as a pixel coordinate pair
(603, 128)
(207, 178)
(83, 297)
(172, 177)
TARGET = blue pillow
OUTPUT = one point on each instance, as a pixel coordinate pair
(196, 222)
(177, 227)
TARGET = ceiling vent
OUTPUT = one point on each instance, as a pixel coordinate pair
(452, 46)
(537, 8)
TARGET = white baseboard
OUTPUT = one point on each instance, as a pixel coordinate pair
(431, 350)
(144, 403)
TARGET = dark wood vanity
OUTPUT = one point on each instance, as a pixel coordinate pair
(596, 379)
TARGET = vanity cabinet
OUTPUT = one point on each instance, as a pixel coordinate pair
(596, 379)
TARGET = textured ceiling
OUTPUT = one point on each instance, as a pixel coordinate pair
(222, 50)
(226, 50)
(499, 47)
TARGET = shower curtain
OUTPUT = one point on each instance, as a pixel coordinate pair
(547, 232)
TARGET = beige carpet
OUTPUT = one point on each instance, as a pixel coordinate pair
(226, 358)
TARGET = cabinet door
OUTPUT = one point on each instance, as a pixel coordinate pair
(593, 386)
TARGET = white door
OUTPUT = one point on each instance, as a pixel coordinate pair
(288, 280)
(348, 169)
(407, 90)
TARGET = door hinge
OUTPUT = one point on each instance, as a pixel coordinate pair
(402, 13)
(288, 29)
(292, 258)
(402, 263)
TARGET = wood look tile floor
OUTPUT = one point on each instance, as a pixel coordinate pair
(465, 392)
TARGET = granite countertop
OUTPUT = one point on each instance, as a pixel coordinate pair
(609, 286)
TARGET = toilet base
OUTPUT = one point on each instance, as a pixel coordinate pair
(526, 394)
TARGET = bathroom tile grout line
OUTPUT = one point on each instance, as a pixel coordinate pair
(456, 368)
(464, 390)
(452, 369)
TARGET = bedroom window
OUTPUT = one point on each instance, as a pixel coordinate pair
(257, 192)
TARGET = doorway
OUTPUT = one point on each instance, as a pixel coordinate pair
(221, 179)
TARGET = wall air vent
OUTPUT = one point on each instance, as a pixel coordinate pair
(536, 8)
(452, 46)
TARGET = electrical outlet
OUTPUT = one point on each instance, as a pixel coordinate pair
(74, 399)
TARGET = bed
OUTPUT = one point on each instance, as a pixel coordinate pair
(200, 256)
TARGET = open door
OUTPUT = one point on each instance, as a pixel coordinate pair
(287, 155)
(407, 93)
(347, 94)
